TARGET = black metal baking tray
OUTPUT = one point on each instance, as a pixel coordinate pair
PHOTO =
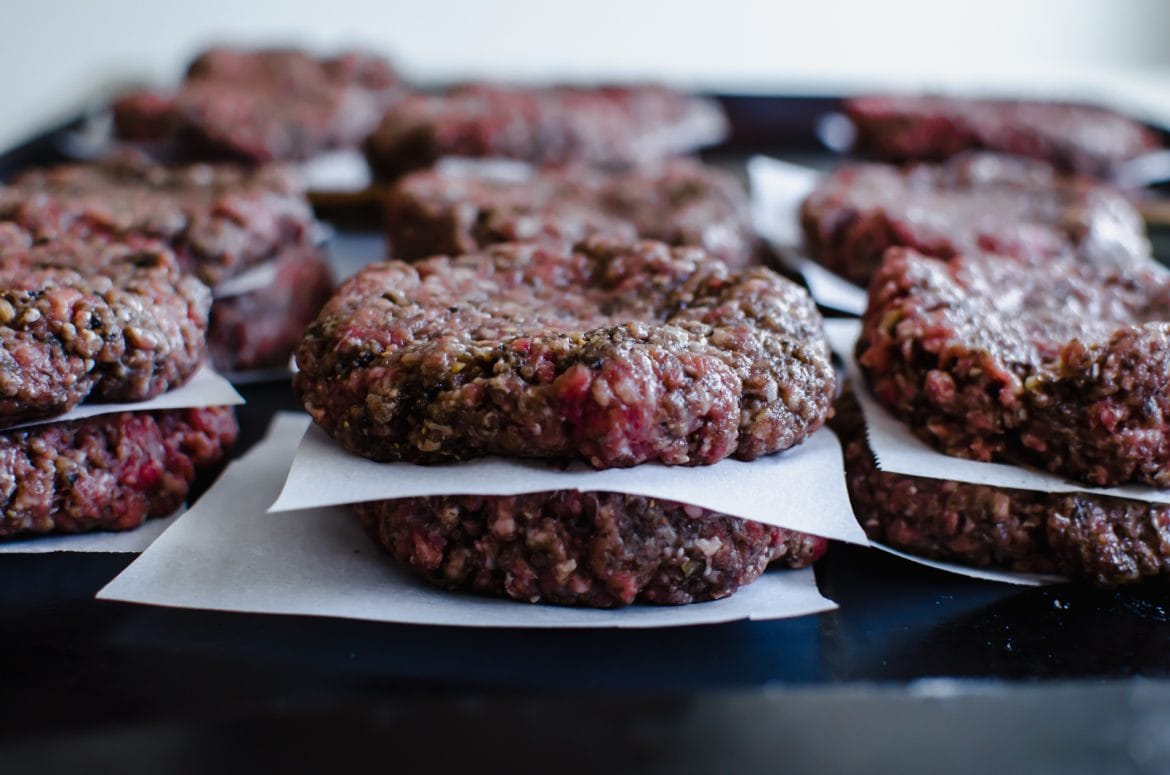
(104, 679)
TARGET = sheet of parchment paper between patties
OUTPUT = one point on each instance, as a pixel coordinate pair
(800, 489)
(970, 571)
(205, 388)
(99, 541)
(227, 553)
(777, 189)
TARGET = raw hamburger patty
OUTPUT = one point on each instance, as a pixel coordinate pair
(260, 329)
(1110, 541)
(546, 126)
(88, 319)
(573, 548)
(680, 202)
(1076, 138)
(974, 203)
(1065, 367)
(264, 105)
(617, 353)
(218, 219)
(109, 472)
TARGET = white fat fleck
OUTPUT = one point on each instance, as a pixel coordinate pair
(564, 569)
(709, 546)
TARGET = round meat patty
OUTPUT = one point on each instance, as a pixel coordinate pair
(1109, 541)
(218, 219)
(680, 202)
(975, 203)
(590, 549)
(261, 328)
(84, 319)
(614, 352)
(1066, 368)
(264, 105)
(1076, 138)
(109, 472)
(604, 126)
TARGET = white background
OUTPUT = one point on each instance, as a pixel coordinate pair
(54, 54)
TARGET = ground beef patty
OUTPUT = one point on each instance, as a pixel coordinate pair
(573, 548)
(1076, 138)
(218, 219)
(1110, 541)
(974, 203)
(554, 125)
(1066, 367)
(264, 105)
(261, 328)
(91, 319)
(680, 202)
(109, 472)
(615, 352)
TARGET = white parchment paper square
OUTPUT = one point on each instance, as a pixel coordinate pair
(228, 554)
(800, 489)
(778, 188)
(983, 574)
(126, 541)
(254, 278)
(342, 170)
(205, 388)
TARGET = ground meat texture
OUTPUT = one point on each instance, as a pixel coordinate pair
(546, 126)
(1075, 138)
(680, 202)
(614, 352)
(1065, 368)
(84, 319)
(143, 116)
(261, 328)
(589, 549)
(264, 105)
(1109, 541)
(109, 472)
(974, 203)
(218, 219)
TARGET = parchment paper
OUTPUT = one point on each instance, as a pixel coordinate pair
(778, 188)
(984, 574)
(800, 489)
(251, 279)
(337, 171)
(491, 168)
(128, 541)
(205, 388)
(227, 554)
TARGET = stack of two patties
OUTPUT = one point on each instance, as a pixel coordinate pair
(247, 233)
(1015, 314)
(617, 353)
(85, 319)
(535, 324)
